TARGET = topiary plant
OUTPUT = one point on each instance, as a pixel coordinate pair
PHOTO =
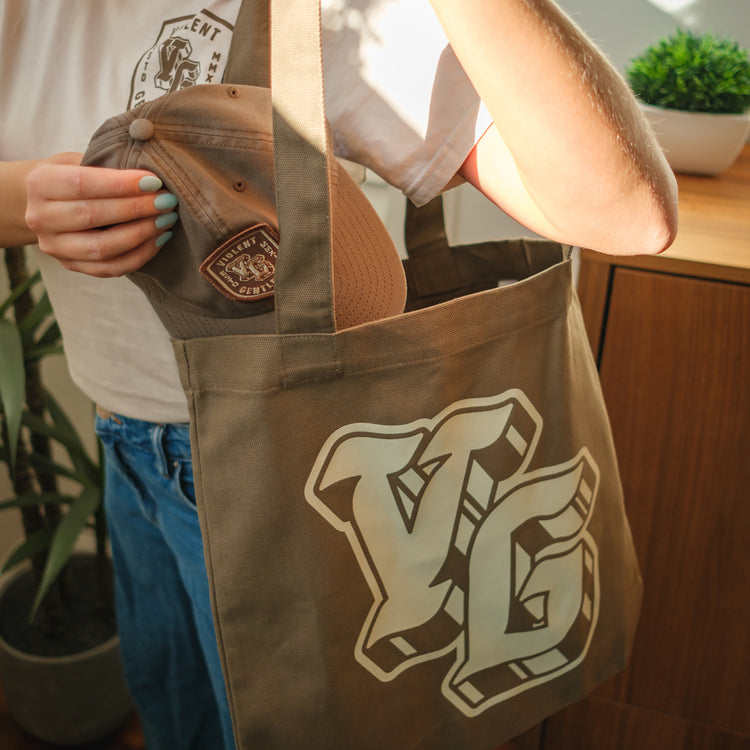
(695, 73)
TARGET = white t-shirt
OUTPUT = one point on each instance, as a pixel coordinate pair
(397, 99)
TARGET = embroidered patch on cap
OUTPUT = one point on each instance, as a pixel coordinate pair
(242, 269)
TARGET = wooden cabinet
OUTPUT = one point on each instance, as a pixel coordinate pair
(672, 337)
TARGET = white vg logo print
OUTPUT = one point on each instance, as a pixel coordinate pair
(465, 550)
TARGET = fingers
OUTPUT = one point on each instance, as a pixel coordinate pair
(67, 157)
(98, 221)
(115, 251)
(61, 178)
(68, 198)
(80, 215)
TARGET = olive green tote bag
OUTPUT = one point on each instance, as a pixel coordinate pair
(414, 527)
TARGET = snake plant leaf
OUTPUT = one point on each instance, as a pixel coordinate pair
(35, 498)
(63, 432)
(42, 463)
(51, 337)
(7, 303)
(39, 313)
(64, 539)
(32, 545)
(38, 352)
(12, 385)
(68, 436)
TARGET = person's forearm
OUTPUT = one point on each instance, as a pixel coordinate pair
(13, 228)
(579, 143)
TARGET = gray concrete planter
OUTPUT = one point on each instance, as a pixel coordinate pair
(65, 700)
(698, 142)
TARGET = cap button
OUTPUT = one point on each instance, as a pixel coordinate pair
(141, 129)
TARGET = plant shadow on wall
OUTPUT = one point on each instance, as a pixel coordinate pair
(56, 606)
(695, 92)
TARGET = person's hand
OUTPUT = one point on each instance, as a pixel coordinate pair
(97, 221)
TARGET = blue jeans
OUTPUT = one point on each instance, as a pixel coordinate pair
(163, 605)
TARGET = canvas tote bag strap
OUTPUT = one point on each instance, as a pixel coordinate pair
(424, 227)
(304, 276)
(249, 52)
(437, 271)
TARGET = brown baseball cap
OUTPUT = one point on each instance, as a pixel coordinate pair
(212, 147)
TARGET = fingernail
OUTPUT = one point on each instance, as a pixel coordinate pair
(150, 183)
(162, 239)
(165, 201)
(166, 220)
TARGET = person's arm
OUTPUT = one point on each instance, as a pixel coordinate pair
(570, 154)
(102, 222)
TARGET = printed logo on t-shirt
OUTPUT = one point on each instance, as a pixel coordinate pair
(189, 50)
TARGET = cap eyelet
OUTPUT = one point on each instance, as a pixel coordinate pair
(239, 185)
(141, 129)
(233, 92)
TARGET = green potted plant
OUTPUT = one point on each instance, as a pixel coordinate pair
(695, 92)
(60, 668)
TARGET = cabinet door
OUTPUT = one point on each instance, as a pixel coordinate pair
(675, 369)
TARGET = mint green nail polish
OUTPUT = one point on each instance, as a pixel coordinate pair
(162, 239)
(150, 184)
(166, 220)
(165, 201)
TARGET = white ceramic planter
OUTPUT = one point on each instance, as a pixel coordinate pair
(698, 142)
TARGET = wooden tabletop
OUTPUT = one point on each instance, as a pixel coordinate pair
(715, 217)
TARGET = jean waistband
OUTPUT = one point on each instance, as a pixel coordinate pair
(174, 437)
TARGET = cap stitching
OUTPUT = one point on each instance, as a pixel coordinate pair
(191, 189)
(232, 138)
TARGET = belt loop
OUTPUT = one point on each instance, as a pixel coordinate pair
(157, 445)
(106, 414)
